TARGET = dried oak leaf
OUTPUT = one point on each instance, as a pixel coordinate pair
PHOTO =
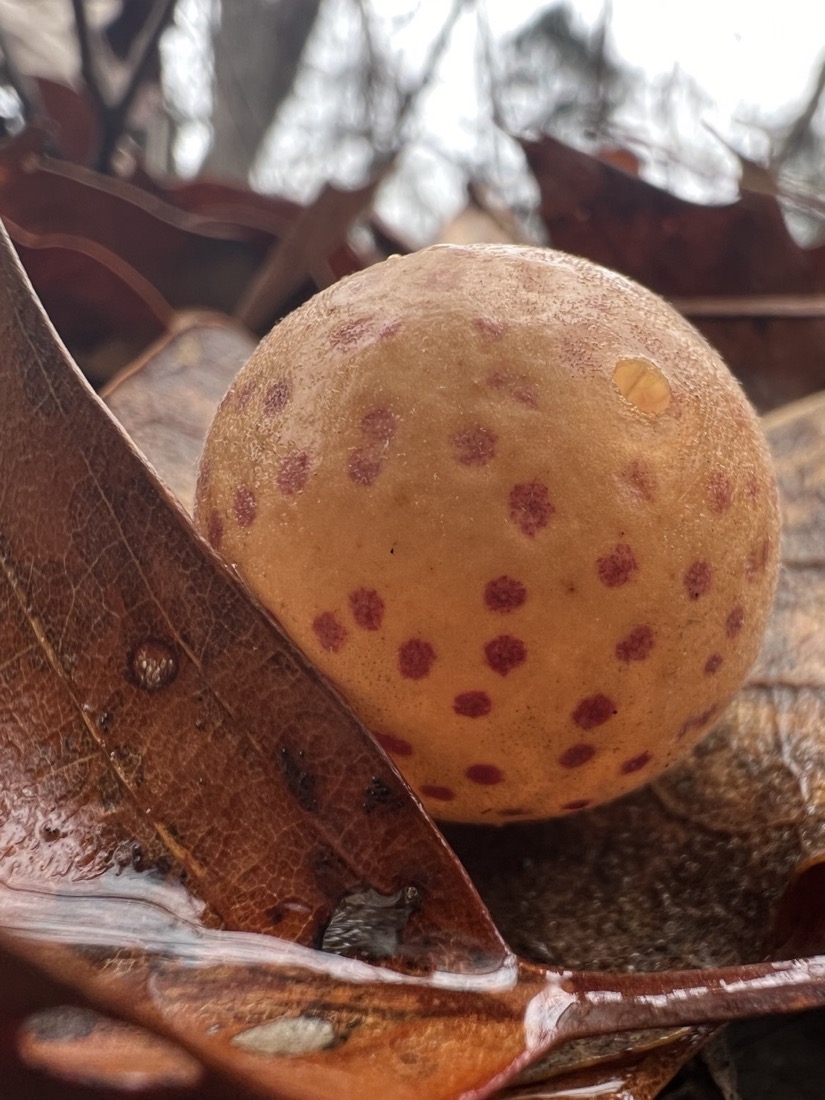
(166, 399)
(189, 260)
(111, 258)
(154, 724)
(684, 250)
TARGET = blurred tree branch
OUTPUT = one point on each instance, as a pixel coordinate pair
(800, 138)
(113, 108)
(381, 81)
(258, 51)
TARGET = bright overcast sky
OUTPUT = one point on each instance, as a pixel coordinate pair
(753, 61)
(740, 51)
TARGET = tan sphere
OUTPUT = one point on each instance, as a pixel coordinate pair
(515, 508)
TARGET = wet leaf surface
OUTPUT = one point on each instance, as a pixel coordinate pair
(159, 700)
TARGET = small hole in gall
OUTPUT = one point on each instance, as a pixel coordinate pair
(642, 384)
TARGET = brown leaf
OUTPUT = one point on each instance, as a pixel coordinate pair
(683, 250)
(273, 215)
(189, 260)
(104, 311)
(83, 1047)
(163, 701)
(107, 256)
(68, 119)
(675, 247)
(316, 233)
(167, 399)
(620, 1067)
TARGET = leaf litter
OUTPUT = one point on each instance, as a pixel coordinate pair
(748, 820)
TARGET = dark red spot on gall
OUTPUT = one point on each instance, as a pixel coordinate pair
(379, 424)
(697, 580)
(519, 389)
(440, 794)
(720, 492)
(505, 653)
(758, 560)
(635, 763)
(485, 774)
(242, 395)
(577, 755)
(525, 394)
(472, 704)
(276, 397)
(415, 658)
(713, 664)
(214, 530)
(577, 804)
(245, 506)
(698, 721)
(593, 711)
(367, 608)
(530, 507)
(752, 486)
(293, 472)
(489, 328)
(363, 468)
(474, 447)
(391, 328)
(396, 745)
(637, 645)
(346, 336)
(735, 621)
(618, 567)
(641, 480)
(504, 594)
(329, 631)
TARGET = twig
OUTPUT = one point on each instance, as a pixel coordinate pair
(142, 51)
(440, 44)
(377, 70)
(112, 111)
(802, 125)
(374, 64)
(26, 89)
(319, 229)
(88, 69)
